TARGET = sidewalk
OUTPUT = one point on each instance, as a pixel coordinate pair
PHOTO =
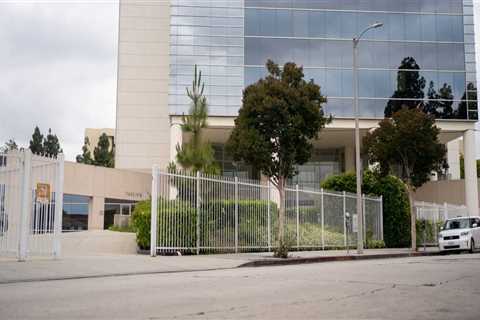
(78, 267)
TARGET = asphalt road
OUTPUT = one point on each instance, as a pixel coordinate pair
(446, 287)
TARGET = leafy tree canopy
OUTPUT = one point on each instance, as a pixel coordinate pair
(408, 140)
(280, 116)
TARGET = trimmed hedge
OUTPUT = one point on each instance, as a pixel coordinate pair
(217, 220)
(396, 207)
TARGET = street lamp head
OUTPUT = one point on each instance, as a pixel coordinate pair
(370, 27)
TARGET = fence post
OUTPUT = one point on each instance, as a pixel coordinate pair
(57, 222)
(154, 212)
(26, 205)
(198, 211)
(364, 220)
(381, 219)
(269, 226)
(297, 209)
(236, 214)
(323, 216)
(344, 218)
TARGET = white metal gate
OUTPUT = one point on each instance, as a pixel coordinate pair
(203, 213)
(31, 203)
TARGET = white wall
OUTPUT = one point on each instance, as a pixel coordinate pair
(143, 126)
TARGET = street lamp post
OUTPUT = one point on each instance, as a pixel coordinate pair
(358, 165)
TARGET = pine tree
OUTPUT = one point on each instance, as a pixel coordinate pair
(51, 145)
(104, 154)
(86, 156)
(196, 155)
(36, 144)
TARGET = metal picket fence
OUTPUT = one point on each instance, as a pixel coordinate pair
(31, 198)
(203, 213)
(431, 216)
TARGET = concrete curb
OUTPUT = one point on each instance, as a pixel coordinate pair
(321, 259)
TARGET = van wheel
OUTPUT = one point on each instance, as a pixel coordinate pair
(472, 246)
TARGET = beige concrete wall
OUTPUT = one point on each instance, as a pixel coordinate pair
(99, 183)
(143, 125)
(450, 191)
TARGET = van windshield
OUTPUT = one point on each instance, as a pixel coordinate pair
(456, 224)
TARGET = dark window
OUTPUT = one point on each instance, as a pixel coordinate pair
(75, 212)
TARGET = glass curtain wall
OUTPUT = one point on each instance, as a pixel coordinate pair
(208, 33)
(318, 35)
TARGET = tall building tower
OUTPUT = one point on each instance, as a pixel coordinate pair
(428, 41)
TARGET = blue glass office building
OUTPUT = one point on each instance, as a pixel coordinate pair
(423, 56)
(231, 41)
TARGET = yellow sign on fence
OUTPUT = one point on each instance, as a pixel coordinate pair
(43, 192)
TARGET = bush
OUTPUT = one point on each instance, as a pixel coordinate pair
(141, 223)
(375, 244)
(174, 217)
(218, 219)
(217, 222)
(396, 207)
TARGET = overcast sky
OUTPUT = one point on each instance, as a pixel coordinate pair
(57, 69)
(58, 64)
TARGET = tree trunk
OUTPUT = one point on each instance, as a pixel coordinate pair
(281, 211)
(413, 215)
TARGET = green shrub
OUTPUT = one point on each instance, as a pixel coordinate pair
(396, 208)
(218, 222)
(174, 217)
(141, 223)
(375, 244)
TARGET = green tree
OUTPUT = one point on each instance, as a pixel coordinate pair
(86, 156)
(408, 141)
(196, 155)
(10, 145)
(280, 116)
(104, 154)
(51, 145)
(36, 144)
(410, 87)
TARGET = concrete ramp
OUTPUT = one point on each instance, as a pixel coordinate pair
(98, 242)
